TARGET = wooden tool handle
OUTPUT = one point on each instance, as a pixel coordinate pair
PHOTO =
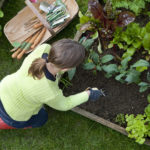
(40, 17)
(14, 55)
(29, 44)
(38, 25)
(39, 38)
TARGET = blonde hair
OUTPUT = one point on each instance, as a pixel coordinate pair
(65, 53)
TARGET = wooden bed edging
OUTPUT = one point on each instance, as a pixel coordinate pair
(103, 122)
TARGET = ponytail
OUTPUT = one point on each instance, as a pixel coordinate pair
(65, 53)
(36, 68)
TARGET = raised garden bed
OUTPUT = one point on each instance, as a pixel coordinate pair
(117, 59)
(120, 98)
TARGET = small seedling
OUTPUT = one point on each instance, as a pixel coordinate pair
(120, 119)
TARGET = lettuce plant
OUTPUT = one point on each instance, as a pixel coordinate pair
(132, 39)
(139, 127)
(134, 5)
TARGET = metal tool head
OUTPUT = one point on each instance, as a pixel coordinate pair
(46, 7)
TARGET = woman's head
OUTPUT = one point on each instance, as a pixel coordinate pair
(65, 53)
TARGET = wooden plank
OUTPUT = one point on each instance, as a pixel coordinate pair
(103, 122)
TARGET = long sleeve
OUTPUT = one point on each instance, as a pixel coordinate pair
(66, 103)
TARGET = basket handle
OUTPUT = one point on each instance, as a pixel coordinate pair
(36, 12)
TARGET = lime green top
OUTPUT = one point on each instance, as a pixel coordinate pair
(23, 96)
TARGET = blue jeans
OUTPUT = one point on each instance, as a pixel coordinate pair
(35, 121)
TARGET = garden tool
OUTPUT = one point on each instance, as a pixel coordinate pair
(14, 55)
(101, 90)
(38, 25)
(95, 94)
(46, 7)
(28, 45)
(31, 25)
(39, 38)
(32, 21)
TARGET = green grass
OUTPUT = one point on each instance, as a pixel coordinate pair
(64, 130)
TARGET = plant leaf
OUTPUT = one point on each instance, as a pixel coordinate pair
(119, 77)
(130, 51)
(120, 45)
(124, 63)
(110, 69)
(99, 48)
(148, 27)
(107, 58)
(148, 98)
(84, 19)
(71, 73)
(137, 43)
(95, 35)
(89, 66)
(143, 86)
(110, 45)
(88, 43)
(146, 41)
(1, 14)
(125, 18)
(98, 67)
(143, 32)
(141, 69)
(147, 110)
(94, 57)
(133, 76)
(80, 14)
(96, 9)
(141, 63)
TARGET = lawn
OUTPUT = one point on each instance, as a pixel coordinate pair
(64, 130)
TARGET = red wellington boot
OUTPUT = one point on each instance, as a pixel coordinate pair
(3, 125)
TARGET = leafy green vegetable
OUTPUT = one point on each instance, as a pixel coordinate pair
(136, 127)
(145, 85)
(88, 43)
(130, 74)
(1, 14)
(132, 39)
(110, 69)
(71, 73)
(133, 76)
(146, 41)
(107, 58)
(120, 118)
(134, 5)
(148, 98)
(89, 66)
(141, 65)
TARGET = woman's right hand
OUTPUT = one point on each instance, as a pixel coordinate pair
(95, 94)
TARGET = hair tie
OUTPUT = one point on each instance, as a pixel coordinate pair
(45, 57)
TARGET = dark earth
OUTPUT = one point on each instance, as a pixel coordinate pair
(121, 98)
